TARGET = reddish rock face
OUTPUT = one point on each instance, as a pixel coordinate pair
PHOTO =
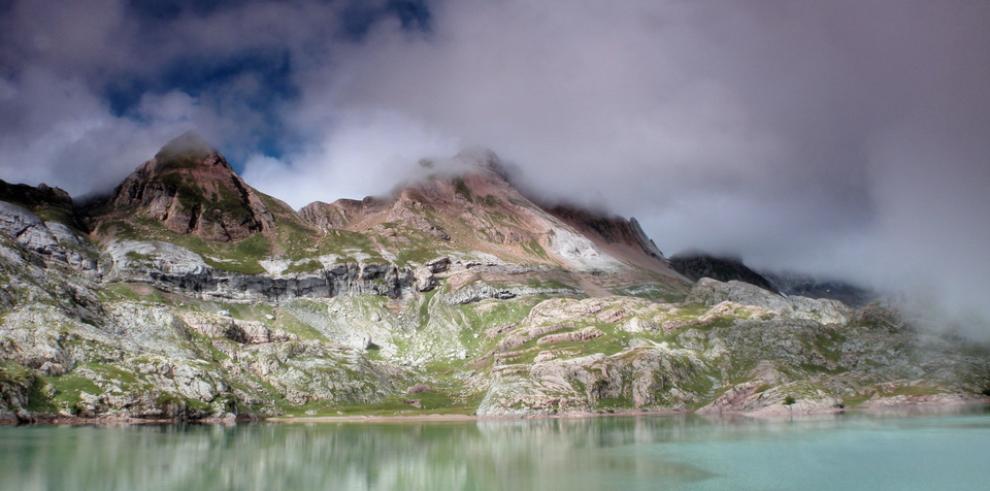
(191, 189)
(470, 204)
(340, 213)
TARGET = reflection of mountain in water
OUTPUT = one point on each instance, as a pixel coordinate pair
(649, 452)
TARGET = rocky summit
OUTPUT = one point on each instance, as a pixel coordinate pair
(187, 294)
(189, 188)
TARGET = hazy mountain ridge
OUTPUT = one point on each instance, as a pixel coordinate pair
(188, 294)
(697, 265)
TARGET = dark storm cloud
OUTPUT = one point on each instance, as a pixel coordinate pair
(90, 88)
(846, 137)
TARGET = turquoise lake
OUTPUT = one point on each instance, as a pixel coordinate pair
(655, 452)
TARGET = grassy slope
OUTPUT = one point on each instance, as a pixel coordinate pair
(446, 378)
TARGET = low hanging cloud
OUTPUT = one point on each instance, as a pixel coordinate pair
(56, 130)
(843, 138)
(61, 62)
(849, 139)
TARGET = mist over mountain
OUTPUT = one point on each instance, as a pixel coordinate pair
(187, 294)
(847, 139)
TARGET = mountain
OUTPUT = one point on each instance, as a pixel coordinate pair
(189, 188)
(698, 265)
(187, 294)
(476, 208)
(50, 203)
(790, 283)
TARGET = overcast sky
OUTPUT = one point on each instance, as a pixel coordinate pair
(849, 138)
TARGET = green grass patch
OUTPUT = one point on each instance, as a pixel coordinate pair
(419, 254)
(69, 389)
(292, 325)
(621, 402)
(533, 247)
(829, 344)
(239, 257)
(132, 293)
(138, 257)
(424, 308)
(345, 244)
(549, 284)
(307, 266)
(651, 291)
(476, 318)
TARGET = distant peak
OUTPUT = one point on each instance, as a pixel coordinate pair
(188, 144)
(186, 153)
(482, 157)
(479, 156)
(696, 265)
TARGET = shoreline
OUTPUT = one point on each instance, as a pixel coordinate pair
(894, 406)
(447, 418)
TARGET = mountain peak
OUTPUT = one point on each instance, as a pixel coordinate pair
(188, 144)
(191, 189)
(188, 152)
(467, 203)
(480, 157)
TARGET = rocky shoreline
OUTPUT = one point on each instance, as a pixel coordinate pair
(896, 406)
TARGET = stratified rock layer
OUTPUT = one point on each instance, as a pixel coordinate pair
(189, 295)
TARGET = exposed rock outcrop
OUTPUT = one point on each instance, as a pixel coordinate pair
(191, 189)
(339, 214)
(712, 292)
(211, 300)
(480, 291)
(173, 268)
(238, 330)
(51, 239)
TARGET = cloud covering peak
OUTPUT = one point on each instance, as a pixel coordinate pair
(847, 138)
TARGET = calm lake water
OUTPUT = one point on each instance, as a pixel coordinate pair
(692, 453)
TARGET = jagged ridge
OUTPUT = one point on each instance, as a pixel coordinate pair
(454, 293)
(191, 189)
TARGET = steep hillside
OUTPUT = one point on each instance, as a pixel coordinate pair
(189, 295)
(50, 204)
(188, 195)
(471, 206)
(190, 189)
(469, 209)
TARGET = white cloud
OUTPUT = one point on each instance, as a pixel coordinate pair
(841, 137)
(363, 153)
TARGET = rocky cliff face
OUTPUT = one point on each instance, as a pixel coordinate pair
(470, 205)
(339, 214)
(173, 268)
(191, 189)
(456, 293)
(49, 239)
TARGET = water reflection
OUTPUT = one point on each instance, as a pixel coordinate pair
(609, 453)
